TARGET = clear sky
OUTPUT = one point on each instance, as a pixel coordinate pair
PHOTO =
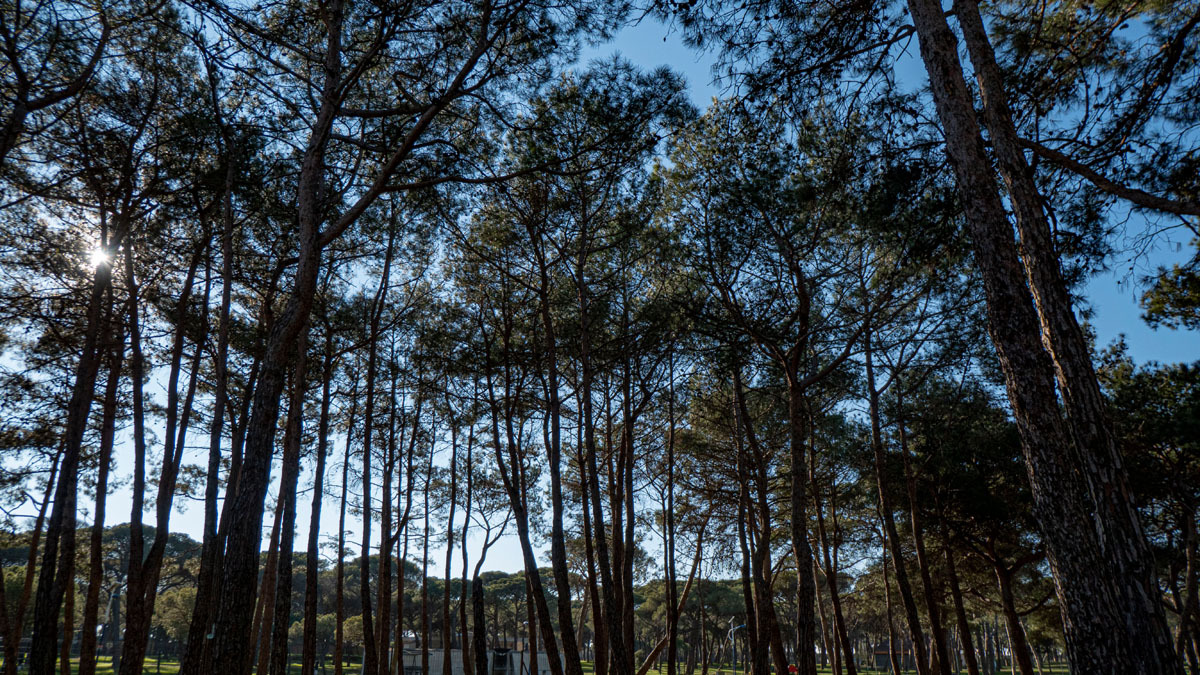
(1113, 295)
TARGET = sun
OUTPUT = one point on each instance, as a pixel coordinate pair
(98, 257)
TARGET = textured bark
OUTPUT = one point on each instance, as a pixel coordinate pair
(308, 656)
(1112, 620)
(888, 520)
(1135, 619)
(91, 602)
(960, 613)
(58, 552)
(241, 552)
(288, 479)
(941, 653)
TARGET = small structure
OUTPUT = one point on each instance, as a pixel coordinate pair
(883, 657)
(500, 662)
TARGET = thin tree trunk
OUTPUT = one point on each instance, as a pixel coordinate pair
(941, 655)
(91, 603)
(58, 552)
(288, 480)
(264, 613)
(889, 522)
(308, 657)
(339, 639)
(960, 613)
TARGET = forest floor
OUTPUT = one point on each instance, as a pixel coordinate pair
(168, 666)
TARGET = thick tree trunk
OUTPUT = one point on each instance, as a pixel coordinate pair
(1112, 618)
(1136, 620)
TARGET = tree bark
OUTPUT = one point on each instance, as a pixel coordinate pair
(1134, 622)
(1111, 619)
(308, 657)
(58, 552)
(91, 603)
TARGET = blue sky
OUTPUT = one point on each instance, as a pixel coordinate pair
(1113, 295)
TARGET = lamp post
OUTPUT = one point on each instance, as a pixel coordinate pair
(733, 644)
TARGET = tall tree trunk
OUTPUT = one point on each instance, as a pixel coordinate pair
(1136, 618)
(673, 608)
(1019, 646)
(558, 551)
(446, 612)
(241, 551)
(766, 620)
(58, 552)
(339, 638)
(1112, 617)
(960, 612)
(893, 649)
(68, 628)
(265, 612)
(614, 630)
(200, 627)
(308, 657)
(479, 648)
(941, 654)
(888, 520)
(142, 588)
(91, 603)
(289, 477)
(831, 572)
(371, 648)
(468, 662)
(806, 590)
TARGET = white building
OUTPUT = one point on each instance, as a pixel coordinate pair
(500, 662)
